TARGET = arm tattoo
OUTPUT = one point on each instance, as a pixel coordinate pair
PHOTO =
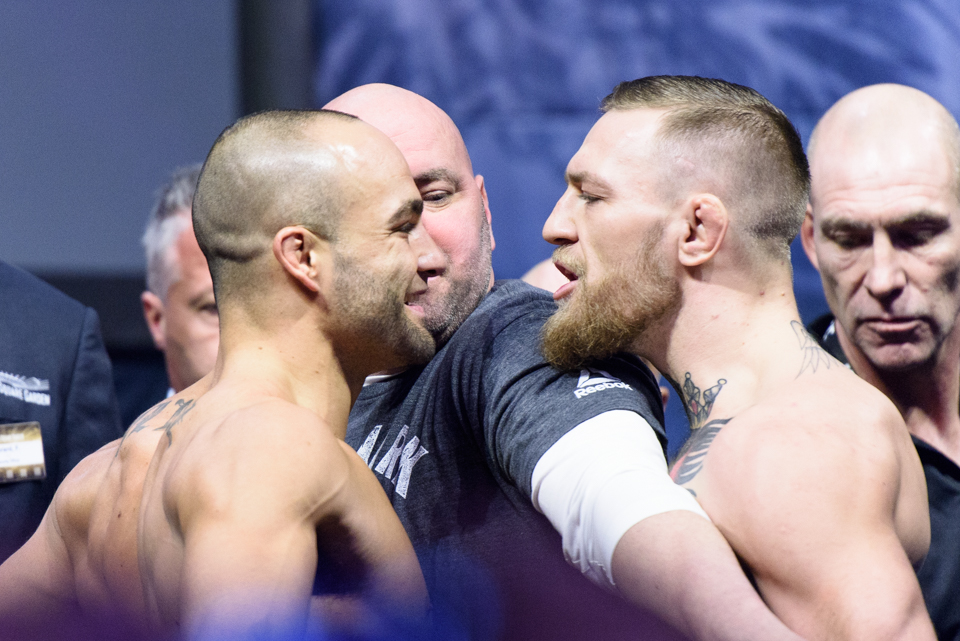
(183, 408)
(813, 354)
(698, 406)
(690, 460)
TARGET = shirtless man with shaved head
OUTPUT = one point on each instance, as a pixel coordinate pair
(207, 520)
(675, 230)
(883, 228)
(500, 465)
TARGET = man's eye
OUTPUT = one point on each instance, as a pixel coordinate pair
(913, 238)
(850, 240)
(436, 196)
(588, 198)
(406, 228)
(209, 308)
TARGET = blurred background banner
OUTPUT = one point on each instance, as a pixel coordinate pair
(99, 102)
(523, 78)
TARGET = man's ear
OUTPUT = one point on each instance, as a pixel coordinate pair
(706, 221)
(486, 208)
(806, 237)
(298, 250)
(154, 314)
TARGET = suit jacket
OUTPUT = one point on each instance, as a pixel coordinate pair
(52, 352)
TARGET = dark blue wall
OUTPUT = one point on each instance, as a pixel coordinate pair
(99, 101)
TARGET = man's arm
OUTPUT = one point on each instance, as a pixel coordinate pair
(811, 510)
(37, 594)
(605, 487)
(251, 521)
(678, 565)
(247, 513)
(247, 567)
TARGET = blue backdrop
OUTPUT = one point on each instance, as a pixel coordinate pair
(523, 78)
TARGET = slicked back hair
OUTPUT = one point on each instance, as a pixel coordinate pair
(262, 174)
(169, 217)
(739, 136)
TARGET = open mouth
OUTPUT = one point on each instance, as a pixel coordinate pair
(416, 309)
(414, 300)
(567, 288)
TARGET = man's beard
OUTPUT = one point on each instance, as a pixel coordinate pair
(373, 310)
(607, 317)
(443, 318)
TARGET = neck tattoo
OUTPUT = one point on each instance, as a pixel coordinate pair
(697, 404)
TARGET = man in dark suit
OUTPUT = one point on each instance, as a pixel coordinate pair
(55, 389)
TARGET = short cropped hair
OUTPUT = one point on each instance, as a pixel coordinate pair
(739, 133)
(168, 218)
(250, 187)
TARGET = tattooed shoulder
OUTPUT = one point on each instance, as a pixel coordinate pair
(814, 356)
(690, 460)
(145, 420)
(183, 408)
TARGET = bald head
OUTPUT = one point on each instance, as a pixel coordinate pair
(272, 170)
(882, 134)
(884, 227)
(413, 123)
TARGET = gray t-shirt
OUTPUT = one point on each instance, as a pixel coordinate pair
(454, 444)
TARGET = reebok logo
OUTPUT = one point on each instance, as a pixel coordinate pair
(596, 380)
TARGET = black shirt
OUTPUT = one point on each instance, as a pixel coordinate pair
(454, 444)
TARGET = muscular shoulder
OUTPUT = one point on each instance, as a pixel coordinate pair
(833, 443)
(830, 412)
(75, 498)
(269, 456)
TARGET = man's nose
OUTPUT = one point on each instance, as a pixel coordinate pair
(885, 277)
(430, 260)
(560, 228)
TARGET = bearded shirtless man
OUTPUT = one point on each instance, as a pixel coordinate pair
(675, 230)
(208, 518)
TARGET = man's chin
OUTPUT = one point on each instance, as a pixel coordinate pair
(899, 357)
(415, 348)
(569, 340)
(443, 314)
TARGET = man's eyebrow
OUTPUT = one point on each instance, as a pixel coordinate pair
(922, 217)
(580, 177)
(412, 206)
(844, 224)
(439, 174)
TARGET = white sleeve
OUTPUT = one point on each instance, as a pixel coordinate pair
(600, 479)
